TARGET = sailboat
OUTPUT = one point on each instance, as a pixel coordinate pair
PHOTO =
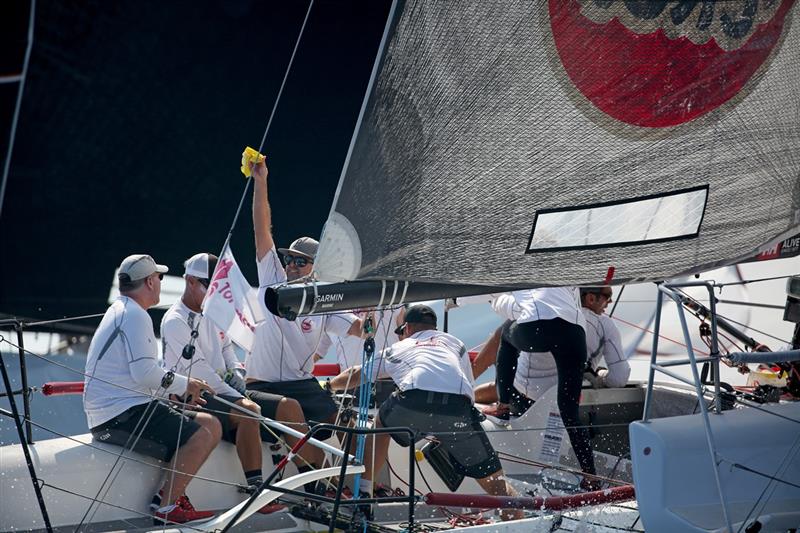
(573, 142)
(509, 145)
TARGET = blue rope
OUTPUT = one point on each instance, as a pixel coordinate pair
(364, 393)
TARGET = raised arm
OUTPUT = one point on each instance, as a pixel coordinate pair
(262, 214)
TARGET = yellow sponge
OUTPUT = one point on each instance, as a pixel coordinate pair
(250, 155)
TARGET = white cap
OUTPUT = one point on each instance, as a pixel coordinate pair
(200, 265)
(139, 266)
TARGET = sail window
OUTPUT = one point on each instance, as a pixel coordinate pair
(654, 218)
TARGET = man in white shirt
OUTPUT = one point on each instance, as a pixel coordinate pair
(125, 383)
(214, 360)
(350, 349)
(546, 320)
(432, 372)
(284, 352)
(537, 373)
(603, 340)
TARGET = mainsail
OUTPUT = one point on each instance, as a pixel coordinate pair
(566, 142)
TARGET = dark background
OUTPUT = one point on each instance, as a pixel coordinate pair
(133, 119)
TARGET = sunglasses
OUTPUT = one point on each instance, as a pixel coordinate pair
(299, 261)
(160, 276)
(203, 282)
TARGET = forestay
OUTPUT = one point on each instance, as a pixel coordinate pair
(522, 143)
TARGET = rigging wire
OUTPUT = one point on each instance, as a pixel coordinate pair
(127, 521)
(137, 432)
(753, 329)
(18, 106)
(748, 281)
(746, 326)
(769, 487)
(650, 331)
(616, 301)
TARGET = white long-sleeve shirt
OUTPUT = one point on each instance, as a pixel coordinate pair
(540, 304)
(123, 352)
(533, 304)
(536, 372)
(604, 342)
(213, 353)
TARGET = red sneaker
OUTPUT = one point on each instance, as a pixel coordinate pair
(272, 508)
(181, 512)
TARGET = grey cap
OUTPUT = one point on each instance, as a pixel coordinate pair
(303, 246)
(139, 266)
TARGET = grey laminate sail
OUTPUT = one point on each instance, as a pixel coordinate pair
(562, 142)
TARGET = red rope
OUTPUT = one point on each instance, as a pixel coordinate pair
(636, 326)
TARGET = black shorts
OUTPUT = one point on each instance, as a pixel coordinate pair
(316, 402)
(159, 438)
(452, 419)
(269, 409)
(222, 412)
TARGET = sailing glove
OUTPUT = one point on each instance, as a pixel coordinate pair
(235, 378)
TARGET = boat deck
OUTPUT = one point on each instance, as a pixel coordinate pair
(393, 518)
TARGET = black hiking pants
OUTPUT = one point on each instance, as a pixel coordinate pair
(567, 343)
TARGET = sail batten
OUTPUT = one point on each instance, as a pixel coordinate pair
(541, 142)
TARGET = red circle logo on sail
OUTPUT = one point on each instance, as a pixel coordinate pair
(657, 63)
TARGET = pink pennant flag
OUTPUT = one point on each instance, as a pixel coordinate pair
(232, 304)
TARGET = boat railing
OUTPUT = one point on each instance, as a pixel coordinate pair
(337, 501)
(25, 433)
(23, 423)
(25, 391)
(672, 290)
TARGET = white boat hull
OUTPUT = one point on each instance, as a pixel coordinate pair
(674, 478)
(674, 486)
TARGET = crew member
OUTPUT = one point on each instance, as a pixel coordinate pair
(125, 385)
(214, 361)
(434, 397)
(283, 354)
(603, 340)
(537, 373)
(546, 320)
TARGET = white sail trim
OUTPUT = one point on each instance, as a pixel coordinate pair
(656, 218)
(339, 255)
